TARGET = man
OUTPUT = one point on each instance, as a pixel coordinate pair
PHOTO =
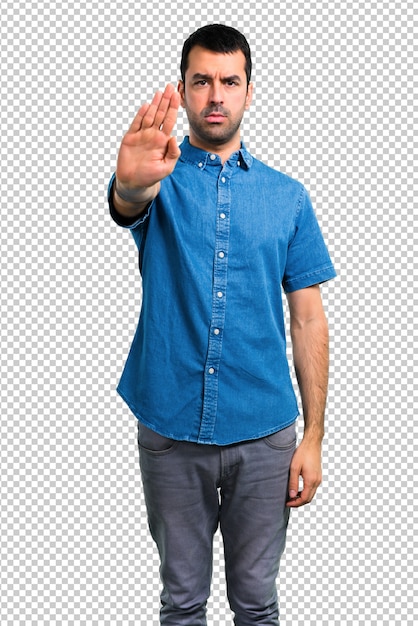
(219, 234)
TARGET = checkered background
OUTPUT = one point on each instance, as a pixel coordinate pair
(333, 107)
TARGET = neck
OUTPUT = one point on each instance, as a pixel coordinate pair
(224, 151)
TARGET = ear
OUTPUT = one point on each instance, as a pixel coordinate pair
(249, 96)
(180, 89)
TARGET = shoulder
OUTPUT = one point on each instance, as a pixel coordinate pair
(262, 169)
(278, 183)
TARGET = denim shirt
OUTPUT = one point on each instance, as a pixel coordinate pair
(217, 245)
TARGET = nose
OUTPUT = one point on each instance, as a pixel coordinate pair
(216, 96)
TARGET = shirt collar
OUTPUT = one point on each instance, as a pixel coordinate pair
(201, 158)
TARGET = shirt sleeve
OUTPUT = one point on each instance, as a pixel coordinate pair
(121, 220)
(308, 262)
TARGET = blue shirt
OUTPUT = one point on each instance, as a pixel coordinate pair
(208, 361)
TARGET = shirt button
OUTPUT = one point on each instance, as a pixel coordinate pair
(211, 370)
(212, 157)
(220, 294)
(223, 179)
(222, 216)
(221, 255)
(238, 163)
(216, 331)
(200, 165)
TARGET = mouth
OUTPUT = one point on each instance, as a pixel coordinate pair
(214, 118)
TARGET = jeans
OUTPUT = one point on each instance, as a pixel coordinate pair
(189, 490)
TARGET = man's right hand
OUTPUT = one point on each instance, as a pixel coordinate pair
(148, 153)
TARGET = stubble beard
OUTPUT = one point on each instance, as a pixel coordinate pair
(215, 133)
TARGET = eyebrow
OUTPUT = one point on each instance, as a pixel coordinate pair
(226, 79)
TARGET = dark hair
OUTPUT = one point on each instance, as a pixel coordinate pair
(217, 38)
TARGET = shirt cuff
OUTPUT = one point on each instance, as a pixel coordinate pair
(309, 279)
(122, 220)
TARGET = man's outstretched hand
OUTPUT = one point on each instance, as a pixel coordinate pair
(148, 152)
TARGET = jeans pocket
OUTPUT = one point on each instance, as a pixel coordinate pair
(282, 439)
(153, 442)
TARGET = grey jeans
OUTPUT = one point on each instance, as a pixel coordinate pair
(189, 490)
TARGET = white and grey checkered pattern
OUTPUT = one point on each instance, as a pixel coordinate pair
(334, 107)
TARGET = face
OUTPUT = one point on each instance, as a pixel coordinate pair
(215, 96)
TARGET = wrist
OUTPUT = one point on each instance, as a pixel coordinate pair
(313, 438)
(135, 196)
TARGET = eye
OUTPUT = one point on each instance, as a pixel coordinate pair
(202, 82)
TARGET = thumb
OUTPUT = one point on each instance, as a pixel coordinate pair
(294, 482)
(173, 151)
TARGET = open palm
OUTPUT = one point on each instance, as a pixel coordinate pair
(148, 152)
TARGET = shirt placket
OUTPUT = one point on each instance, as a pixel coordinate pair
(219, 298)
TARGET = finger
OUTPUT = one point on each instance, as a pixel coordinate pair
(153, 114)
(163, 106)
(297, 498)
(293, 482)
(149, 118)
(168, 106)
(294, 502)
(171, 115)
(303, 497)
(173, 151)
(157, 111)
(137, 121)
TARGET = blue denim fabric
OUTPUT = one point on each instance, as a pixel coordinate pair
(208, 361)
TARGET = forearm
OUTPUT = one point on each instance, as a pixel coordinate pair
(311, 360)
